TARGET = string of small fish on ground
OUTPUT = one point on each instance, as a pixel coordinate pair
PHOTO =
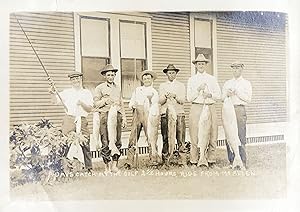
(40, 150)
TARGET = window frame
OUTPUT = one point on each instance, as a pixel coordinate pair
(204, 17)
(114, 32)
(134, 59)
(107, 59)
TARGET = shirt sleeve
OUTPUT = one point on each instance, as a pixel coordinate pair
(224, 90)
(245, 93)
(99, 101)
(132, 99)
(89, 98)
(122, 111)
(162, 97)
(216, 91)
(62, 95)
(181, 94)
(192, 92)
(155, 98)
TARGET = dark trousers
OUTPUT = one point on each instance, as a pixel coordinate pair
(139, 121)
(241, 117)
(105, 151)
(180, 137)
(68, 126)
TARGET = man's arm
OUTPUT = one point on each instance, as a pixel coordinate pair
(99, 99)
(225, 90)
(86, 107)
(162, 95)
(132, 101)
(216, 92)
(192, 91)
(245, 93)
(180, 94)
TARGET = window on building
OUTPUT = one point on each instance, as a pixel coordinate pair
(132, 54)
(95, 49)
(203, 41)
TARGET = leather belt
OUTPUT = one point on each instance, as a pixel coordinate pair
(195, 103)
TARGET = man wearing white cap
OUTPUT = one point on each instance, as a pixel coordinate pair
(108, 96)
(142, 97)
(240, 92)
(202, 88)
(78, 103)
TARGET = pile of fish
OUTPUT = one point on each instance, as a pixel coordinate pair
(75, 150)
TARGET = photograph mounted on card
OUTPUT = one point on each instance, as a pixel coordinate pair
(148, 105)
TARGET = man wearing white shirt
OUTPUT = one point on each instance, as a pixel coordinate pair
(202, 88)
(172, 92)
(78, 102)
(240, 92)
(137, 102)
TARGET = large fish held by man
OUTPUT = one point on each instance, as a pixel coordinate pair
(112, 129)
(231, 130)
(172, 117)
(152, 115)
(204, 128)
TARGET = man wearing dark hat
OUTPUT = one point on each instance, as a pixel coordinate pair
(240, 92)
(78, 102)
(108, 94)
(172, 94)
(141, 95)
(202, 88)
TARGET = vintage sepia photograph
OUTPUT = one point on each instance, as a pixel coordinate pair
(148, 105)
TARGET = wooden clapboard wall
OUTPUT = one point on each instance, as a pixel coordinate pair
(260, 42)
(52, 35)
(262, 48)
(171, 44)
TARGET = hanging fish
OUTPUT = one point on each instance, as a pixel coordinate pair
(152, 116)
(112, 129)
(231, 130)
(204, 128)
(75, 150)
(96, 127)
(172, 118)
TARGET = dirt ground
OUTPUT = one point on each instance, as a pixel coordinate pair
(265, 179)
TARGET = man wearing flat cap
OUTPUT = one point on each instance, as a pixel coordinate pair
(240, 92)
(172, 98)
(142, 98)
(202, 88)
(78, 102)
(108, 94)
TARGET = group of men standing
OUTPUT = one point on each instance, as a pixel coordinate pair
(151, 107)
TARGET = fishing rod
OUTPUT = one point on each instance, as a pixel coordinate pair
(136, 135)
(55, 90)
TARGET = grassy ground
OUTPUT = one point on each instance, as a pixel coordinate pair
(265, 179)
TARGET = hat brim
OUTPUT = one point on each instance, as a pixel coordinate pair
(75, 75)
(195, 61)
(237, 65)
(152, 73)
(173, 69)
(103, 72)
